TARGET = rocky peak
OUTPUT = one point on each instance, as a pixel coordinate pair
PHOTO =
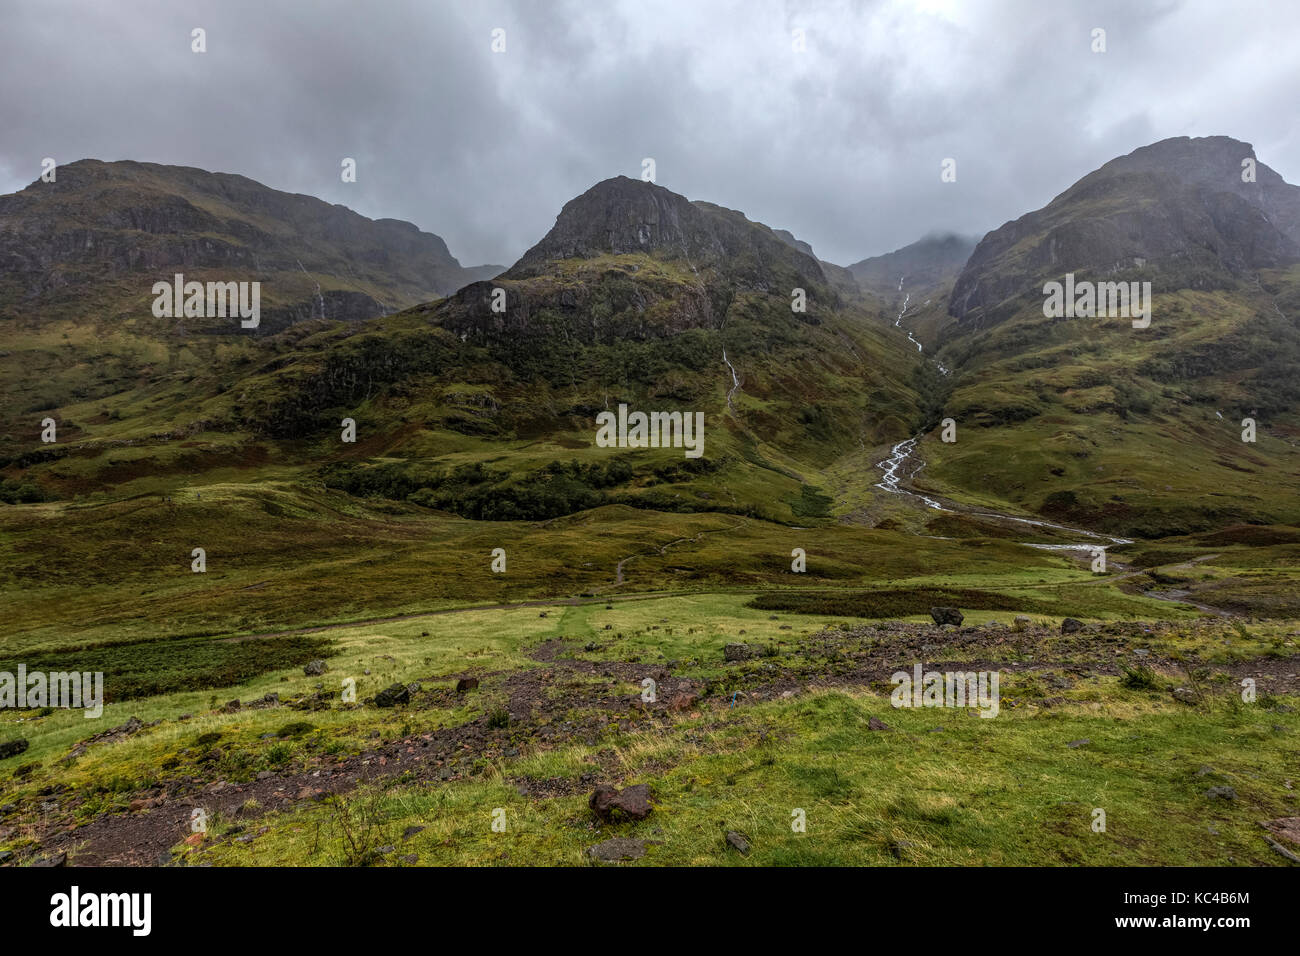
(720, 246)
(1176, 212)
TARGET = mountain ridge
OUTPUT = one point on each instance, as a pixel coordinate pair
(108, 229)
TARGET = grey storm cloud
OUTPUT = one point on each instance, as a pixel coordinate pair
(841, 143)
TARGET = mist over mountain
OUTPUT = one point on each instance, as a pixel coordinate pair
(925, 264)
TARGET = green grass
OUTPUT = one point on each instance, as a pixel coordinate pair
(1007, 792)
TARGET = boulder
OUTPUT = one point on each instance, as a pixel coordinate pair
(466, 684)
(633, 802)
(947, 615)
(315, 668)
(392, 696)
(12, 748)
(1071, 625)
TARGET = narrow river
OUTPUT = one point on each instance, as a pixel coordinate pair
(891, 481)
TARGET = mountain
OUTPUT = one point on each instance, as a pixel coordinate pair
(925, 264)
(636, 296)
(104, 232)
(640, 295)
(1177, 211)
(623, 216)
(1091, 421)
(481, 402)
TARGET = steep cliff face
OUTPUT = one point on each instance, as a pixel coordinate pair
(1177, 212)
(104, 232)
(622, 216)
(630, 261)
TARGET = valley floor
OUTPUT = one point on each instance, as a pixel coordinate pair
(1142, 720)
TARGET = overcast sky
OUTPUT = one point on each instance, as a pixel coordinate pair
(841, 143)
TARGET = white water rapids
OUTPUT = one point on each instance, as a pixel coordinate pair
(898, 324)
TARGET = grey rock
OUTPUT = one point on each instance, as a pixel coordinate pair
(738, 842)
(617, 849)
(12, 748)
(392, 696)
(947, 615)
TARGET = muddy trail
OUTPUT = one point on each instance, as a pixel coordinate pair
(564, 700)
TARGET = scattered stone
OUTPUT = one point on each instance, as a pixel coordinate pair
(1185, 694)
(132, 726)
(738, 842)
(411, 859)
(947, 615)
(12, 748)
(617, 849)
(1286, 828)
(392, 696)
(1076, 744)
(1221, 793)
(875, 723)
(683, 701)
(466, 684)
(633, 802)
(315, 668)
(411, 831)
(59, 859)
(1071, 625)
(6, 856)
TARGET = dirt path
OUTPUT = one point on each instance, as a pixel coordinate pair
(596, 699)
(618, 579)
